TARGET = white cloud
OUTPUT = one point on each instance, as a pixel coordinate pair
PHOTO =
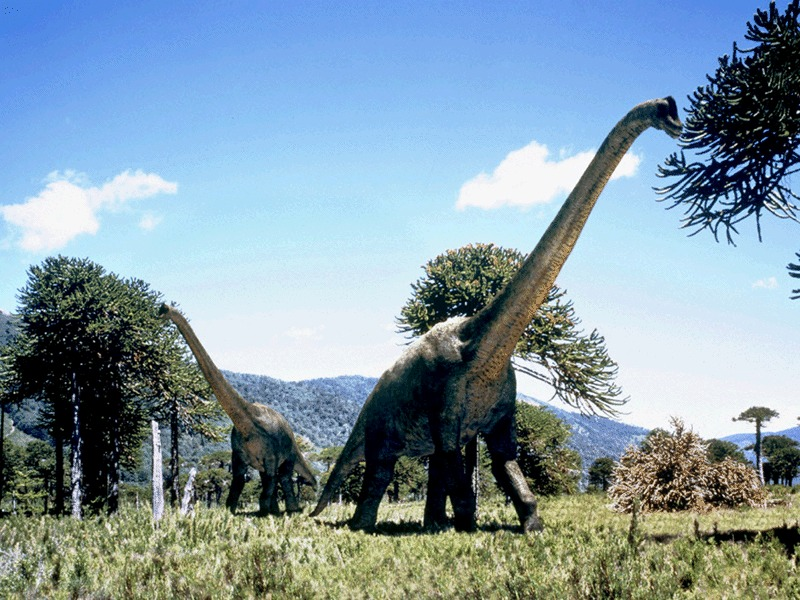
(68, 206)
(149, 221)
(528, 176)
(768, 283)
(305, 333)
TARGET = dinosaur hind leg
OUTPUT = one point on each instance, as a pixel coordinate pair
(436, 499)
(500, 443)
(285, 479)
(459, 487)
(239, 469)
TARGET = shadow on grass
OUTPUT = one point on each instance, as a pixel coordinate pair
(788, 537)
(390, 528)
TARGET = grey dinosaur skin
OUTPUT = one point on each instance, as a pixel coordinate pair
(457, 380)
(261, 437)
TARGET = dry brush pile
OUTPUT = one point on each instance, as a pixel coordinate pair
(672, 472)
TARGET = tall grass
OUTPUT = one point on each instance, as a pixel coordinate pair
(586, 551)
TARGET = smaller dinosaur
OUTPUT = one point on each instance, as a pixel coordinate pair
(261, 437)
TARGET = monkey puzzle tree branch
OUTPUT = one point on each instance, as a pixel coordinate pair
(552, 349)
(744, 129)
(794, 271)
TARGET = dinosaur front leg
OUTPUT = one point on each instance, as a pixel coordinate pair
(377, 476)
(502, 449)
(447, 476)
(459, 488)
(268, 500)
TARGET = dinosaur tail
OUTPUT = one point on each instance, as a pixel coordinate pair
(352, 453)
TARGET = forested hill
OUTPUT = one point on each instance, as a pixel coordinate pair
(324, 411)
(8, 327)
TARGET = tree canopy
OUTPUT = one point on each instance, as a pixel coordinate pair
(461, 282)
(742, 134)
(743, 128)
(548, 464)
(783, 455)
(92, 347)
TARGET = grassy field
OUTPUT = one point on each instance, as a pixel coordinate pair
(586, 551)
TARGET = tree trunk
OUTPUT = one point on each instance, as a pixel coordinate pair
(2, 448)
(759, 462)
(174, 465)
(188, 493)
(58, 507)
(76, 470)
(158, 477)
(114, 468)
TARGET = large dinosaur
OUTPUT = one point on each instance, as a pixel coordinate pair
(261, 437)
(456, 380)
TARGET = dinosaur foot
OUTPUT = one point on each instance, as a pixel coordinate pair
(532, 524)
(464, 523)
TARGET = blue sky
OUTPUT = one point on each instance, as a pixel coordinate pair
(283, 170)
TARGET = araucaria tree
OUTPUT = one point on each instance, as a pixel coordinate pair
(783, 456)
(91, 347)
(742, 130)
(672, 472)
(758, 415)
(601, 473)
(550, 466)
(553, 349)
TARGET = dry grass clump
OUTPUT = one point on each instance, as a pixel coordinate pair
(671, 472)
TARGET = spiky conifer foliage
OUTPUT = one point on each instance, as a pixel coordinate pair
(552, 349)
(671, 472)
(743, 129)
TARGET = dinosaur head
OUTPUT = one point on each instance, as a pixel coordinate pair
(666, 116)
(164, 311)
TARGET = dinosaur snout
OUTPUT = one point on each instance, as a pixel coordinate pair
(669, 121)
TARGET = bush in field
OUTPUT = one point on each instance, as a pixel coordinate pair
(672, 472)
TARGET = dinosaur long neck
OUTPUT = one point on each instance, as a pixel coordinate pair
(495, 331)
(230, 400)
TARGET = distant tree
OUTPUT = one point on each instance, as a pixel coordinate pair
(601, 473)
(213, 476)
(461, 282)
(14, 461)
(327, 456)
(92, 347)
(783, 455)
(758, 415)
(181, 397)
(4, 360)
(542, 453)
(719, 450)
(743, 127)
(409, 481)
(351, 486)
(40, 460)
(646, 445)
